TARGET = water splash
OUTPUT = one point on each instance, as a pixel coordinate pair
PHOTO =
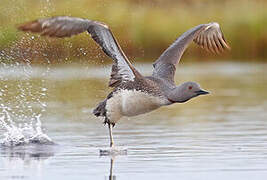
(22, 100)
(25, 134)
(21, 109)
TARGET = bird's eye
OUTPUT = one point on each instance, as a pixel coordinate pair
(190, 87)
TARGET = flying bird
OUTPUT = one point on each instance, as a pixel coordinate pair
(133, 93)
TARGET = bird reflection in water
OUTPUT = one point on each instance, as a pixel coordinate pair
(112, 153)
(111, 176)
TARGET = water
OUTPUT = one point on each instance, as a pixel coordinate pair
(222, 136)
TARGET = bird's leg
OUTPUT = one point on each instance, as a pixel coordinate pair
(110, 134)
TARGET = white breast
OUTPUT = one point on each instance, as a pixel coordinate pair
(137, 102)
(131, 103)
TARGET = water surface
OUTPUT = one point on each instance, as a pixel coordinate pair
(222, 136)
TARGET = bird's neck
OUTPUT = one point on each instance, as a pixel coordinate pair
(176, 95)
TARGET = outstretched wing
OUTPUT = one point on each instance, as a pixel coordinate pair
(64, 26)
(208, 36)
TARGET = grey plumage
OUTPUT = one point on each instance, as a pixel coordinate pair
(133, 93)
(64, 26)
(208, 36)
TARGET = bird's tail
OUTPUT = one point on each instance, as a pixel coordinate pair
(100, 110)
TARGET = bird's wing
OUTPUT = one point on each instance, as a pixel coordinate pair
(63, 26)
(208, 36)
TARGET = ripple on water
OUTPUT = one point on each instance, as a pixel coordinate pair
(222, 136)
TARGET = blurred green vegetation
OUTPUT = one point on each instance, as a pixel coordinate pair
(144, 28)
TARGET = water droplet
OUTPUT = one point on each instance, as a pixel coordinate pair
(44, 89)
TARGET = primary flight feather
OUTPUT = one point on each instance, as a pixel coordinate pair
(133, 93)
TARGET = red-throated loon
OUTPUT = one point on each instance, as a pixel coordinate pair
(133, 93)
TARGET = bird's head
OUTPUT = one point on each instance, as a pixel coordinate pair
(185, 91)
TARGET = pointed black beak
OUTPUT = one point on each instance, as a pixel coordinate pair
(201, 92)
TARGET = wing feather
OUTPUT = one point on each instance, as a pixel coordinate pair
(207, 36)
(64, 26)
